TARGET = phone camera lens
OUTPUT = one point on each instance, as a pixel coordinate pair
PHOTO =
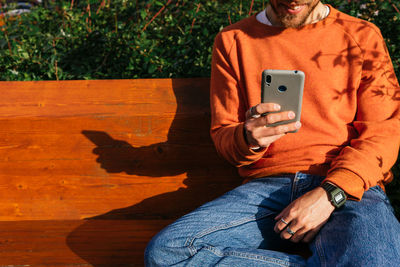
(269, 78)
(282, 88)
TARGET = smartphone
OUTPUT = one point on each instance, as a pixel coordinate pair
(284, 87)
(100, 139)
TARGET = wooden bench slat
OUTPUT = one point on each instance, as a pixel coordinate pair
(102, 97)
(76, 243)
(68, 199)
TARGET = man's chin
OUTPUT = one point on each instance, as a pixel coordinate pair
(292, 22)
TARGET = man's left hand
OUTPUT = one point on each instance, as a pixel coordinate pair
(305, 216)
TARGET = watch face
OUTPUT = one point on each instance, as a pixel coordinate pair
(339, 197)
(336, 195)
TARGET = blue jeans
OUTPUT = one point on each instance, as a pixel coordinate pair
(236, 229)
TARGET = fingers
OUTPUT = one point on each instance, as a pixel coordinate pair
(294, 231)
(273, 118)
(310, 235)
(280, 129)
(264, 136)
(282, 222)
(257, 134)
(266, 141)
(299, 235)
(255, 112)
(258, 110)
(288, 226)
(302, 219)
(289, 229)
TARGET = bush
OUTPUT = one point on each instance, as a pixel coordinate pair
(103, 39)
(115, 40)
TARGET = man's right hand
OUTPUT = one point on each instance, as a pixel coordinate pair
(258, 133)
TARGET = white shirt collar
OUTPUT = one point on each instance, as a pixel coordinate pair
(262, 16)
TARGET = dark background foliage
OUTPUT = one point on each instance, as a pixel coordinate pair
(104, 39)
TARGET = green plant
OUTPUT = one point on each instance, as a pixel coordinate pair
(100, 39)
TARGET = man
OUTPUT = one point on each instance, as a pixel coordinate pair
(298, 183)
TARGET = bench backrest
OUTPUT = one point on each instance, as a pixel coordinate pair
(112, 149)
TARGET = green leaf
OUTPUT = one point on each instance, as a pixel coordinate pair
(152, 68)
(143, 14)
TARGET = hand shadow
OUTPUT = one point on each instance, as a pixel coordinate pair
(118, 156)
(118, 237)
(159, 160)
(109, 239)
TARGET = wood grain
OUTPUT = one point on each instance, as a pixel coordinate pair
(119, 149)
(98, 243)
(91, 170)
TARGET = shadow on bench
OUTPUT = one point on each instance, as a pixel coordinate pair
(91, 170)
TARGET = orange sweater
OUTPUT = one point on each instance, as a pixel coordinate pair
(350, 117)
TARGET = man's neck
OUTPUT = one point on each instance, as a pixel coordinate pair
(316, 15)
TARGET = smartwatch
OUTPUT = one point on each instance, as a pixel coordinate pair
(336, 195)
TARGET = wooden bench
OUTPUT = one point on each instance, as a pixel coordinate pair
(91, 170)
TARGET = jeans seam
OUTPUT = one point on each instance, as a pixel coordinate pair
(292, 194)
(245, 255)
(304, 186)
(189, 242)
(320, 251)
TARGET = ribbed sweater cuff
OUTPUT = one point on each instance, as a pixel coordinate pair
(347, 180)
